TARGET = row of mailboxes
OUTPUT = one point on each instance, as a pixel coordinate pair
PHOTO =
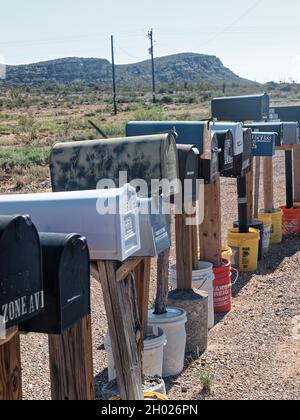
(287, 132)
(80, 166)
(241, 108)
(44, 278)
(263, 144)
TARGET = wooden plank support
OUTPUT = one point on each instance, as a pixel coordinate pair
(162, 289)
(142, 274)
(71, 363)
(257, 186)
(297, 173)
(195, 242)
(184, 259)
(268, 184)
(249, 191)
(210, 231)
(125, 329)
(289, 179)
(10, 368)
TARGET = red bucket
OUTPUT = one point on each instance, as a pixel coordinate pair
(290, 221)
(222, 288)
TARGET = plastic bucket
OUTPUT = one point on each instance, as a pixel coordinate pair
(245, 249)
(266, 219)
(290, 221)
(152, 355)
(255, 224)
(203, 279)
(150, 396)
(173, 324)
(227, 253)
(276, 228)
(222, 288)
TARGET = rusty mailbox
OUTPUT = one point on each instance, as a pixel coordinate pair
(66, 272)
(21, 284)
(81, 166)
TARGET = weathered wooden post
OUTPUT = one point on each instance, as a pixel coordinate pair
(10, 366)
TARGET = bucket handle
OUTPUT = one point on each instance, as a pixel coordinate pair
(237, 276)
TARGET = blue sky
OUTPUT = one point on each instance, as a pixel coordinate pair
(258, 39)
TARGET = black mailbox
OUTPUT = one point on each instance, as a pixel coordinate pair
(209, 168)
(268, 127)
(21, 285)
(225, 144)
(66, 267)
(241, 108)
(285, 113)
(189, 162)
(247, 153)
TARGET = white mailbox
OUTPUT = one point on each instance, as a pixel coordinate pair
(109, 219)
(154, 227)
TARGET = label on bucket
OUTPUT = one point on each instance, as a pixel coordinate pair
(235, 257)
(266, 238)
(246, 252)
(290, 227)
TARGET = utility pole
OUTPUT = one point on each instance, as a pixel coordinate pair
(151, 52)
(114, 75)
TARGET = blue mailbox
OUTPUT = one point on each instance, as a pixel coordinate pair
(263, 144)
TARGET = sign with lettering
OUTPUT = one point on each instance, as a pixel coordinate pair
(263, 144)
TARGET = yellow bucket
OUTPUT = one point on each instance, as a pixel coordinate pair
(296, 205)
(276, 228)
(227, 253)
(245, 249)
(266, 219)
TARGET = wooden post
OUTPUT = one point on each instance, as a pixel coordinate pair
(184, 260)
(289, 179)
(243, 204)
(71, 363)
(210, 231)
(268, 185)
(297, 173)
(142, 278)
(10, 368)
(124, 327)
(249, 191)
(257, 187)
(162, 290)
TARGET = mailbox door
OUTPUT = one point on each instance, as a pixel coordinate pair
(209, 169)
(189, 160)
(67, 284)
(225, 144)
(290, 133)
(263, 144)
(21, 285)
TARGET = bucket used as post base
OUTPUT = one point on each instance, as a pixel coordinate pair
(173, 324)
(245, 249)
(258, 225)
(276, 228)
(290, 221)
(222, 288)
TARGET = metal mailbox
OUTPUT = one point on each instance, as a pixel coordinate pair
(21, 284)
(188, 132)
(247, 153)
(209, 168)
(79, 166)
(189, 166)
(268, 127)
(263, 144)
(66, 272)
(238, 145)
(225, 144)
(290, 132)
(154, 227)
(109, 219)
(241, 108)
(285, 113)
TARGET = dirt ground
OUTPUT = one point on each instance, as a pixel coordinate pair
(252, 353)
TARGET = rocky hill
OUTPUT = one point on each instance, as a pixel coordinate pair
(175, 68)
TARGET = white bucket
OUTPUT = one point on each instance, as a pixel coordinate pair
(173, 323)
(152, 355)
(203, 279)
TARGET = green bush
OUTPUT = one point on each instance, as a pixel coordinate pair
(24, 156)
(149, 114)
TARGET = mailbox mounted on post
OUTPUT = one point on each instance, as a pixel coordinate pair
(154, 228)
(285, 113)
(21, 284)
(241, 108)
(107, 218)
(189, 165)
(268, 127)
(238, 146)
(66, 271)
(80, 166)
(263, 144)
(225, 144)
(290, 133)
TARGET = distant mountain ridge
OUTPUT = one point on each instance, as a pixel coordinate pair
(188, 67)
